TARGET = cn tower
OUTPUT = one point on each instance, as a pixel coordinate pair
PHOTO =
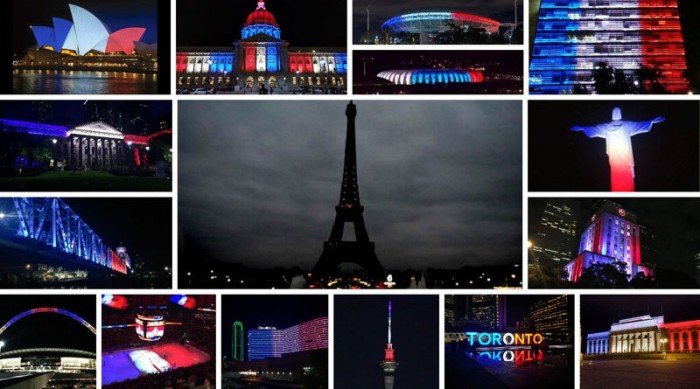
(389, 365)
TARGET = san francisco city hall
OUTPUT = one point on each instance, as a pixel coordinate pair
(260, 59)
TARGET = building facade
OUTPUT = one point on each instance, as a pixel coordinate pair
(261, 58)
(270, 342)
(554, 237)
(553, 318)
(90, 146)
(645, 334)
(611, 236)
(574, 36)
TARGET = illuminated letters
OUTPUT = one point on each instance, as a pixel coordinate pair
(500, 339)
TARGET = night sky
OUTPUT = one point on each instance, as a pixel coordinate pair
(308, 23)
(440, 181)
(377, 61)
(143, 225)
(360, 328)
(382, 10)
(48, 329)
(675, 223)
(72, 112)
(599, 312)
(666, 158)
(116, 14)
(273, 311)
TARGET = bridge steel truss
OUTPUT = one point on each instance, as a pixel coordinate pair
(53, 222)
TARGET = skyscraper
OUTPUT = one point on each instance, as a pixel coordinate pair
(552, 317)
(389, 364)
(553, 237)
(611, 236)
(574, 37)
(450, 319)
(488, 311)
(238, 334)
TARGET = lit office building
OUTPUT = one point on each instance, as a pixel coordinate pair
(574, 36)
(270, 342)
(553, 239)
(612, 236)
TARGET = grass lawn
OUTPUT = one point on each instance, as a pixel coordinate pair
(84, 181)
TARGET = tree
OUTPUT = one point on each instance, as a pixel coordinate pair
(604, 275)
(603, 77)
(457, 34)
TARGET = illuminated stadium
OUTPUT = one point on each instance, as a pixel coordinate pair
(430, 23)
(37, 355)
(156, 341)
(431, 76)
(87, 43)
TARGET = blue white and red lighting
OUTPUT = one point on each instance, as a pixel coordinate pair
(184, 301)
(48, 310)
(52, 222)
(269, 342)
(432, 22)
(149, 362)
(574, 36)
(431, 76)
(389, 350)
(115, 301)
(84, 34)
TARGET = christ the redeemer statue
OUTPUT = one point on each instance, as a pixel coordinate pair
(618, 140)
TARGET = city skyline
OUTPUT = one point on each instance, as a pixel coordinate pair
(473, 177)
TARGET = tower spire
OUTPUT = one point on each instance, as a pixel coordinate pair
(337, 251)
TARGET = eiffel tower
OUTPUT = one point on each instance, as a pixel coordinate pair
(336, 251)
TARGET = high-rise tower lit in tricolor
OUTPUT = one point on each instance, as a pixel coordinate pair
(574, 36)
(389, 364)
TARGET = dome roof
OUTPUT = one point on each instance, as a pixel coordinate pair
(261, 16)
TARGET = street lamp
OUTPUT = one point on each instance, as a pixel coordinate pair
(2, 344)
(53, 141)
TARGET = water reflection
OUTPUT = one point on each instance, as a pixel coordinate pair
(83, 82)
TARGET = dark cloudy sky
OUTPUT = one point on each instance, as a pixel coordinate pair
(440, 180)
(382, 10)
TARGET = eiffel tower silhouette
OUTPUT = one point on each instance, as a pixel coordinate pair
(336, 251)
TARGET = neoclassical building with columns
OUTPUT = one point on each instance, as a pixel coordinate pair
(645, 334)
(261, 58)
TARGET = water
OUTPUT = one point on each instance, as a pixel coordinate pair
(82, 82)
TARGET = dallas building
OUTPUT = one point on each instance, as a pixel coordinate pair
(261, 58)
(643, 334)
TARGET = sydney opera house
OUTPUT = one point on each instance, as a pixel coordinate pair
(87, 43)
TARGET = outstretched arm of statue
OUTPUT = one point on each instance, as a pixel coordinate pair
(642, 127)
(597, 131)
